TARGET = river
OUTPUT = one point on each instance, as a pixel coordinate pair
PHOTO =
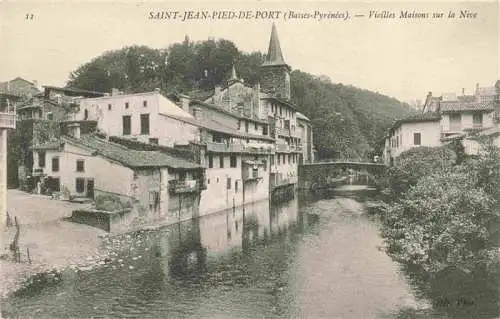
(310, 257)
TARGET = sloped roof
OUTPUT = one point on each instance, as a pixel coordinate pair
(222, 110)
(486, 91)
(127, 157)
(466, 98)
(423, 117)
(301, 116)
(51, 145)
(282, 101)
(165, 106)
(447, 107)
(74, 91)
(216, 126)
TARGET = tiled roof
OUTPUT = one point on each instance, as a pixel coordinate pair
(301, 116)
(466, 98)
(423, 117)
(282, 101)
(73, 91)
(126, 156)
(486, 90)
(222, 110)
(471, 106)
(51, 145)
(216, 126)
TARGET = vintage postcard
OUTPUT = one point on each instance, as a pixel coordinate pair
(254, 159)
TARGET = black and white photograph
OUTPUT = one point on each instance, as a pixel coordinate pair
(253, 159)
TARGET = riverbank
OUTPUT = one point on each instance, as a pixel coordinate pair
(52, 242)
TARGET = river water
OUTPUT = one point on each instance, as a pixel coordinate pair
(310, 257)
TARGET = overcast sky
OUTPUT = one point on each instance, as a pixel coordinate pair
(400, 58)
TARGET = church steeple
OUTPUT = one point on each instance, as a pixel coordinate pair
(275, 73)
(234, 77)
(274, 54)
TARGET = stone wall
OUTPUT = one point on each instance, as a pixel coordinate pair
(274, 81)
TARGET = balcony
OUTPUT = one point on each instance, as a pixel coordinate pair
(8, 120)
(224, 147)
(251, 174)
(257, 149)
(179, 187)
(282, 148)
(282, 131)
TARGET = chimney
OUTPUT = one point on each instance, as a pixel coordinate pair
(74, 130)
(115, 91)
(184, 102)
(197, 113)
(463, 91)
(217, 90)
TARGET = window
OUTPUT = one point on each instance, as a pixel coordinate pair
(265, 165)
(229, 183)
(265, 130)
(256, 126)
(210, 161)
(455, 122)
(279, 159)
(289, 159)
(272, 160)
(109, 107)
(41, 159)
(145, 124)
(80, 185)
(417, 139)
(127, 124)
(232, 161)
(477, 120)
(239, 125)
(145, 103)
(55, 164)
(86, 114)
(80, 166)
(246, 126)
(221, 161)
(50, 116)
(235, 186)
(126, 105)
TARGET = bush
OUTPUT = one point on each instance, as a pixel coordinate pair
(417, 163)
(443, 221)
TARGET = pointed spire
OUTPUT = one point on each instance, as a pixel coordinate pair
(274, 54)
(234, 77)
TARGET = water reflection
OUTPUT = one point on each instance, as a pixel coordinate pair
(313, 256)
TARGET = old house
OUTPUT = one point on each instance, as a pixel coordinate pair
(157, 184)
(447, 118)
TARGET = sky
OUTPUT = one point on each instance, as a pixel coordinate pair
(401, 58)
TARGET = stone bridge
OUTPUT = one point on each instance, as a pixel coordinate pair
(329, 174)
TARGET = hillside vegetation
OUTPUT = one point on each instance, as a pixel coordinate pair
(348, 122)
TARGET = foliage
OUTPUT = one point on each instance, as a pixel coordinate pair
(450, 217)
(348, 122)
(110, 203)
(416, 163)
(442, 221)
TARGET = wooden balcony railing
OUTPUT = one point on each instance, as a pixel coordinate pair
(224, 147)
(282, 148)
(7, 120)
(178, 186)
(282, 131)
